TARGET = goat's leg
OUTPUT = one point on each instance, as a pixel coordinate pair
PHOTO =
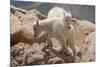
(64, 46)
(72, 46)
(49, 42)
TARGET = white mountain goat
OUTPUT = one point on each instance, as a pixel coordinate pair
(59, 28)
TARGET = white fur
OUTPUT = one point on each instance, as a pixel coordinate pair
(58, 28)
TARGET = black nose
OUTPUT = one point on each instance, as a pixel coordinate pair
(69, 27)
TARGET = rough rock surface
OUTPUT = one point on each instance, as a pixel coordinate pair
(22, 33)
(55, 60)
(24, 54)
(22, 25)
(15, 24)
(18, 14)
(38, 14)
(15, 28)
(18, 54)
(83, 29)
(14, 9)
(89, 48)
(29, 17)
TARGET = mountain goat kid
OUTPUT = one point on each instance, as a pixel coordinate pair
(59, 28)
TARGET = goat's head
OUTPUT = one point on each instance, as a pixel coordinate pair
(67, 21)
(37, 29)
(68, 14)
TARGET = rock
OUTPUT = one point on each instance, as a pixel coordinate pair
(78, 59)
(15, 24)
(58, 12)
(25, 34)
(67, 57)
(19, 14)
(38, 14)
(15, 28)
(35, 55)
(13, 63)
(82, 29)
(89, 48)
(18, 53)
(56, 45)
(29, 18)
(79, 51)
(24, 54)
(35, 58)
(55, 60)
(51, 53)
(39, 47)
(14, 9)
(21, 32)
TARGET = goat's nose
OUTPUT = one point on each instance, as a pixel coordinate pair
(69, 27)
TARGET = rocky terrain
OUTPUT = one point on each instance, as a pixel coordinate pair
(26, 50)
